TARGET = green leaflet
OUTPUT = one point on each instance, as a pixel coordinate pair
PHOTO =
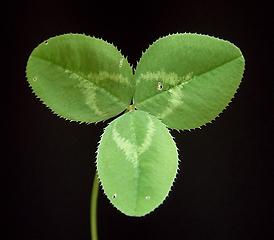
(137, 162)
(80, 78)
(186, 80)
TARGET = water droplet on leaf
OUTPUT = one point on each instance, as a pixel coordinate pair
(147, 197)
(46, 42)
(114, 195)
(160, 86)
(34, 79)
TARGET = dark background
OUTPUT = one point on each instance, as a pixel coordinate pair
(225, 185)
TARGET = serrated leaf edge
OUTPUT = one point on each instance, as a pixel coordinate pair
(198, 34)
(43, 102)
(167, 195)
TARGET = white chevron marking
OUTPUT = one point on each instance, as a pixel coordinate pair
(128, 148)
(175, 100)
(148, 138)
(133, 151)
(89, 91)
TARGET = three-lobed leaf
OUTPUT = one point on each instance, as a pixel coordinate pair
(137, 162)
(182, 81)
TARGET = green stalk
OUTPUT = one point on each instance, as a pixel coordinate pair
(93, 208)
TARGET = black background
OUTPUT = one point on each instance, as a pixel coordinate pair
(225, 185)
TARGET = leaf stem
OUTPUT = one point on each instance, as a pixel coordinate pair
(130, 108)
(93, 208)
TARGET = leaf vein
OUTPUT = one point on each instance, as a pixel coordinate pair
(189, 81)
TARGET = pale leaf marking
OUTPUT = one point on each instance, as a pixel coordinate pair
(89, 91)
(133, 151)
(175, 99)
